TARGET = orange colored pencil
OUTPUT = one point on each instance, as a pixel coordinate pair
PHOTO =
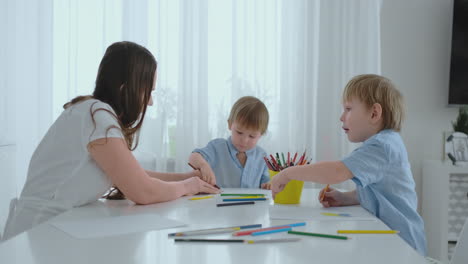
(324, 191)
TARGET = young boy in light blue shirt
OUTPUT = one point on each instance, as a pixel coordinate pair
(237, 162)
(373, 113)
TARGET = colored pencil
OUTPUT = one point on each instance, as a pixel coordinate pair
(272, 240)
(324, 191)
(335, 214)
(201, 198)
(317, 235)
(368, 231)
(278, 159)
(245, 197)
(294, 159)
(266, 232)
(238, 203)
(241, 199)
(268, 164)
(248, 232)
(274, 162)
(237, 240)
(213, 230)
(302, 158)
(209, 240)
(242, 194)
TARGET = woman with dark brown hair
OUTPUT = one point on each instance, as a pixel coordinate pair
(88, 148)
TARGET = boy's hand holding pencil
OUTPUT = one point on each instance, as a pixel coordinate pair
(330, 197)
(206, 174)
(279, 182)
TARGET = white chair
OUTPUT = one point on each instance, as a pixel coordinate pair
(460, 253)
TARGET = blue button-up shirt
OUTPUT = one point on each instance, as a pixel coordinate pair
(385, 185)
(221, 154)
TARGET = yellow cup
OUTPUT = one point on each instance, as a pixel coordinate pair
(291, 194)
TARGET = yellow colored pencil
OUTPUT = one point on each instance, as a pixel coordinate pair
(368, 231)
(201, 198)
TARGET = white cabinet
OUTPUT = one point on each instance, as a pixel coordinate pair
(444, 204)
(8, 189)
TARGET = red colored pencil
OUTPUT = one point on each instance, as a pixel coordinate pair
(294, 159)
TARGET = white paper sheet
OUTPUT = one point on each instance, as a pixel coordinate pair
(314, 213)
(117, 225)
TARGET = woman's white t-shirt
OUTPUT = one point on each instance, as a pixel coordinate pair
(62, 174)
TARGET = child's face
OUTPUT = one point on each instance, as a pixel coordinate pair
(358, 121)
(243, 139)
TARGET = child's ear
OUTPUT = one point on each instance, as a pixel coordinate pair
(376, 112)
(229, 125)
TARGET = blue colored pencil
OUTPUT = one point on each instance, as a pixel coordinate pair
(271, 231)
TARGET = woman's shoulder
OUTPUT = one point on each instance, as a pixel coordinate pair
(90, 105)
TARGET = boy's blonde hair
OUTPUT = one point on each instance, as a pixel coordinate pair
(250, 113)
(371, 89)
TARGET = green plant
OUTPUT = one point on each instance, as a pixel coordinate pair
(461, 124)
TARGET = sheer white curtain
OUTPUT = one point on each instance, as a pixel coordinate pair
(295, 55)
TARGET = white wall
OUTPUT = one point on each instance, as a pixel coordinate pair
(416, 38)
(8, 188)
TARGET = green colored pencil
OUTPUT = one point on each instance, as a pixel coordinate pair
(242, 194)
(317, 235)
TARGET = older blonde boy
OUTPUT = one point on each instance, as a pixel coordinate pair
(237, 162)
(373, 113)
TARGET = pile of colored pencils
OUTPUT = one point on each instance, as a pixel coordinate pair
(277, 164)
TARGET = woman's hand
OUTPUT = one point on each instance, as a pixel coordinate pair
(196, 185)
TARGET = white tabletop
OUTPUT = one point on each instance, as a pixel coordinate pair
(47, 244)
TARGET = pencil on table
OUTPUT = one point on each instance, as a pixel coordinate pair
(237, 240)
(213, 230)
(232, 204)
(242, 194)
(368, 231)
(317, 235)
(249, 232)
(201, 198)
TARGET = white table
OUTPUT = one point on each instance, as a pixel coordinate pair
(47, 244)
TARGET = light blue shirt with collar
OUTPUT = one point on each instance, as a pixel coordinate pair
(385, 185)
(221, 154)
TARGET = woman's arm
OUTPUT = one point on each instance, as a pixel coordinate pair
(165, 176)
(115, 159)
